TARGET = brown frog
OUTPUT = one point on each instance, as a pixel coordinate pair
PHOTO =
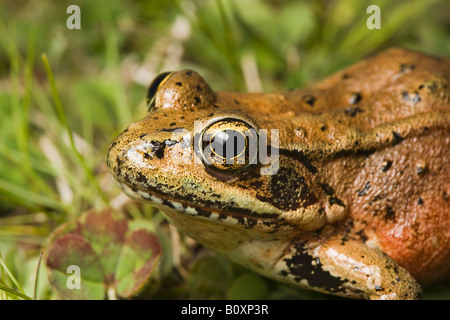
(342, 188)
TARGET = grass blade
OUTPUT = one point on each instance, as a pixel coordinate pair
(14, 292)
(10, 275)
(36, 280)
(63, 119)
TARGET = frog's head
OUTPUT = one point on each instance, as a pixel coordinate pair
(198, 154)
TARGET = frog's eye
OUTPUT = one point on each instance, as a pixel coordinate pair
(154, 87)
(229, 145)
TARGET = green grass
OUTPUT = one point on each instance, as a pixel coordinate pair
(64, 94)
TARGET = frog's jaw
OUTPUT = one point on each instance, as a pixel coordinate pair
(180, 209)
(158, 201)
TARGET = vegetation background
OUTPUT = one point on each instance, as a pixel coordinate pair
(55, 126)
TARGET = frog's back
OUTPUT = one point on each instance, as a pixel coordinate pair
(399, 199)
(401, 75)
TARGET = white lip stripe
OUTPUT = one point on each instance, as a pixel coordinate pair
(191, 210)
(176, 205)
(214, 215)
(156, 199)
(231, 220)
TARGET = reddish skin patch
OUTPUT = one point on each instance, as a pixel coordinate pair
(421, 245)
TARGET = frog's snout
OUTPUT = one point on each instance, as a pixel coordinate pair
(139, 159)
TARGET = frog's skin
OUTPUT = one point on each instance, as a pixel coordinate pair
(359, 206)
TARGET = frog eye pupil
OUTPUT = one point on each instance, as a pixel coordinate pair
(154, 86)
(229, 145)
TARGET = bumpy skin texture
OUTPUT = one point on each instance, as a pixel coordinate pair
(359, 206)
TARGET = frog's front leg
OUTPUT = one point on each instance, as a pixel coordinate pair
(347, 268)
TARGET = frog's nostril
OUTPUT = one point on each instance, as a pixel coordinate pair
(154, 149)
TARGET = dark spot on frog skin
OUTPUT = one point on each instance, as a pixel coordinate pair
(345, 76)
(406, 67)
(189, 73)
(302, 265)
(299, 156)
(170, 129)
(336, 200)
(159, 153)
(323, 128)
(216, 106)
(250, 222)
(197, 100)
(386, 165)
(353, 111)
(257, 184)
(329, 191)
(445, 196)
(362, 236)
(301, 132)
(414, 98)
(377, 198)
(378, 288)
(396, 138)
(157, 148)
(389, 213)
(289, 191)
(429, 85)
(147, 156)
(126, 177)
(420, 201)
(141, 178)
(199, 88)
(421, 169)
(357, 151)
(364, 190)
(309, 99)
(172, 124)
(179, 84)
(355, 98)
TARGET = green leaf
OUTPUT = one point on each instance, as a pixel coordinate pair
(248, 286)
(101, 254)
(209, 277)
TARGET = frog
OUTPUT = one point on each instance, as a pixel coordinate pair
(341, 187)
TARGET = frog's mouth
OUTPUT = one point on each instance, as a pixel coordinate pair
(228, 214)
